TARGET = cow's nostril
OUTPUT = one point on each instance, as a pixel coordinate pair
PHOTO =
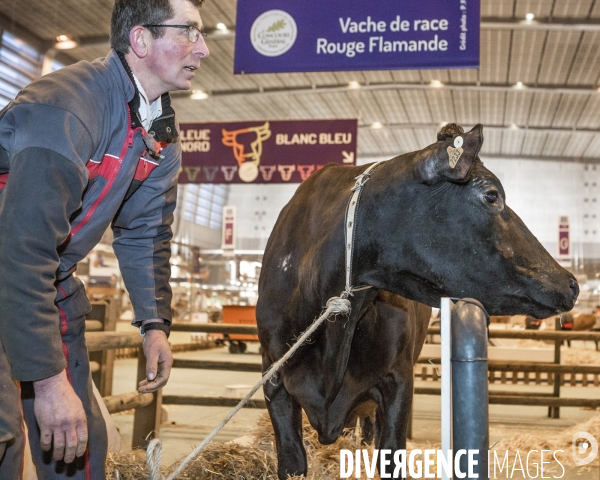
(574, 287)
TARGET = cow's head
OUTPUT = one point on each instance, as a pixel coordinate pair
(249, 136)
(438, 225)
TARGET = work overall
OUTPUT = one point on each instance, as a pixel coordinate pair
(17, 399)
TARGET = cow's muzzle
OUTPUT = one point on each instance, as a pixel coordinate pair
(574, 289)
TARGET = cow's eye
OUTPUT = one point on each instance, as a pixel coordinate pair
(491, 197)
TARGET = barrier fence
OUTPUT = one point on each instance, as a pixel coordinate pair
(148, 406)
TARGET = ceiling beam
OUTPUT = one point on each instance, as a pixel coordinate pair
(507, 88)
(45, 47)
(487, 23)
(437, 126)
(562, 24)
(24, 34)
(498, 23)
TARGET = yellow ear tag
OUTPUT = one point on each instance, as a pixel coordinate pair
(455, 152)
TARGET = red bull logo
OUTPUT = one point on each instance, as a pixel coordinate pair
(247, 144)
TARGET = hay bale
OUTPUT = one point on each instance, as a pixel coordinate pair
(258, 461)
(126, 466)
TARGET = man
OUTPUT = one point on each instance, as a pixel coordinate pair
(91, 145)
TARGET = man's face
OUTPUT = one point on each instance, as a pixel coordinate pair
(173, 59)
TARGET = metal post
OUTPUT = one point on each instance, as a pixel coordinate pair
(470, 415)
(446, 379)
(554, 412)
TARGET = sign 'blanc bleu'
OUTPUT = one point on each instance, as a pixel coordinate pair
(279, 36)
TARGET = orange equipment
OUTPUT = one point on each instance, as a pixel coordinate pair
(239, 315)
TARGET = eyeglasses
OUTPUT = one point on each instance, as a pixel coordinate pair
(191, 32)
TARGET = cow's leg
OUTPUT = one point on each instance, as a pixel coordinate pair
(368, 430)
(286, 417)
(393, 415)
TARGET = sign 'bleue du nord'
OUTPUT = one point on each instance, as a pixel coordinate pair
(316, 35)
(264, 151)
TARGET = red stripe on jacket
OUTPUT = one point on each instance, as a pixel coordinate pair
(102, 168)
(144, 168)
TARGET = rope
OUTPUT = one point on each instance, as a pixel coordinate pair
(335, 306)
(153, 454)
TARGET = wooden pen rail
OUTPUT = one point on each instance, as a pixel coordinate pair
(148, 406)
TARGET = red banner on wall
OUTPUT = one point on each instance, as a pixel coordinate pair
(564, 244)
(264, 151)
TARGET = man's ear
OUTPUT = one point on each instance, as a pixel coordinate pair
(138, 40)
(450, 159)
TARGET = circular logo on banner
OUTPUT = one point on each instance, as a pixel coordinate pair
(273, 33)
(248, 172)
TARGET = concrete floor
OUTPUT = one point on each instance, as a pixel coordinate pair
(187, 426)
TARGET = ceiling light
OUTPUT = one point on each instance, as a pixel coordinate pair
(436, 84)
(443, 124)
(198, 95)
(222, 27)
(513, 126)
(519, 85)
(353, 84)
(376, 125)
(64, 42)
(529, 17)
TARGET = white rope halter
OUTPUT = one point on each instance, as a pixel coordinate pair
(350, 232)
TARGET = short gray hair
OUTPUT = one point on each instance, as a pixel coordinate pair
(127, 14)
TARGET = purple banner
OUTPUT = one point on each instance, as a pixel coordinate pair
(264, 151)
(313, 35)
(564, 244)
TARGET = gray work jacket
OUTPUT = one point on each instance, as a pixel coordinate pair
(74, 160)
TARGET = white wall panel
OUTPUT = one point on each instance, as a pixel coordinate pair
(257, 209)
(538, 191)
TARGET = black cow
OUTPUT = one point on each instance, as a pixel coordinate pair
(430, 223)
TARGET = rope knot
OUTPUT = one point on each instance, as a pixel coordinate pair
(339, 305)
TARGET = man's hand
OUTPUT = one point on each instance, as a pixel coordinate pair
(158, 361)
(60, 414)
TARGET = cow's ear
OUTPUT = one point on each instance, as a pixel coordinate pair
(450, 159)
